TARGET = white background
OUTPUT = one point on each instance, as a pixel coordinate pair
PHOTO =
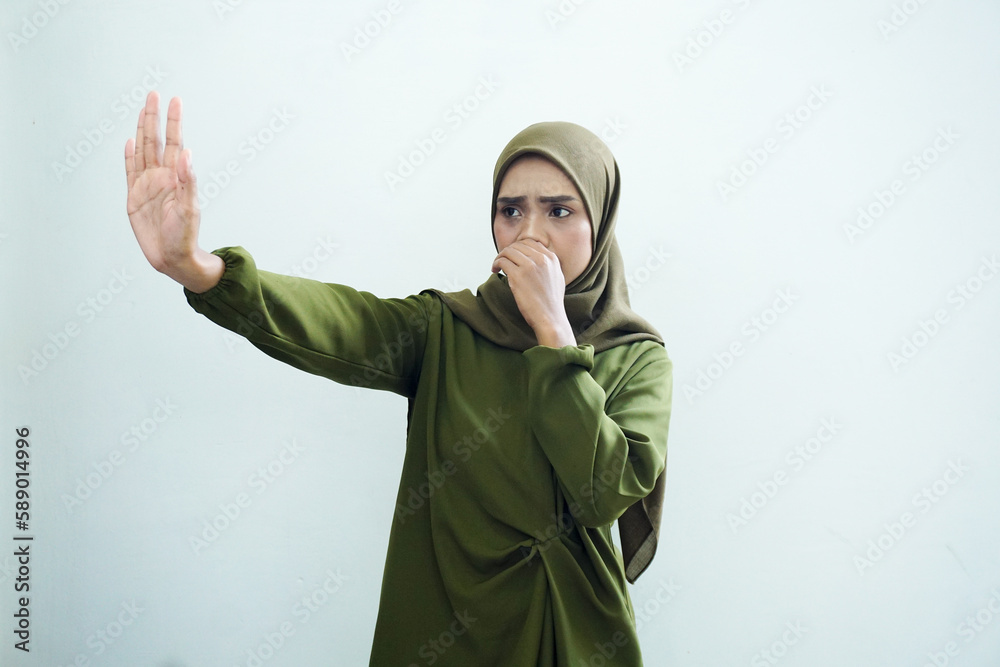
(687, 96)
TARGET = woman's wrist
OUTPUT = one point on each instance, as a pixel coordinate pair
(200, 273)
(556, 335)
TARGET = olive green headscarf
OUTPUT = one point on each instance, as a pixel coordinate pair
(597, 303)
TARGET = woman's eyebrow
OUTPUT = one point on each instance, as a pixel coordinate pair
(554, 199)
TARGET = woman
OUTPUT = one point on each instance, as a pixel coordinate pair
(538, 407)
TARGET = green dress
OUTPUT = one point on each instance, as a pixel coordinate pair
(516, 466)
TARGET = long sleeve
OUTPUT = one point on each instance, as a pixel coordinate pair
(607, 452)
(331, 330)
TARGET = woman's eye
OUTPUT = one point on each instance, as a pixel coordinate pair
(560, 212)
(509, 211)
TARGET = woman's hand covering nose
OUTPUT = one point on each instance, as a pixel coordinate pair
(538, 284)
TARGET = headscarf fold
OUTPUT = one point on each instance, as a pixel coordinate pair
(596, 301)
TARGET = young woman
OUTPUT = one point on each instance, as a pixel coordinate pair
(538, 407)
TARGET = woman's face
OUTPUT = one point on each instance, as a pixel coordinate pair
(537, 200)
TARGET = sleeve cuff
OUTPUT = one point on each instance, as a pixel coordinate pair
(233, 261)
(553, 357)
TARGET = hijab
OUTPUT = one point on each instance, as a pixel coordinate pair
(596, 301)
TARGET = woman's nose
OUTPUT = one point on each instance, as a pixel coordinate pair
(533, 229)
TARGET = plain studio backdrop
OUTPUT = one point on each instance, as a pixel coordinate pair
(808, 215)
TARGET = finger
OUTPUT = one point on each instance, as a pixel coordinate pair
(130, 163)
(534, 247)
(537, 253)
(509, 262)
(188, 191)
(140, 157)
(175, 142)
(500, 258)
(505, 265)
(184, 172)
(516, 255)
(151, 130)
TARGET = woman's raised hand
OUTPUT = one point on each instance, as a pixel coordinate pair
(163, 200)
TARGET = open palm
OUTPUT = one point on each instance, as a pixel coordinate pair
(162, 190)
